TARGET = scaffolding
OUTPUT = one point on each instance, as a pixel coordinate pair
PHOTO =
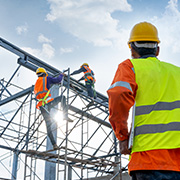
(88, 149)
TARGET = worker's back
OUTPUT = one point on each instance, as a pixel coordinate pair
(40, 88)
(157, 104)
(161, 79)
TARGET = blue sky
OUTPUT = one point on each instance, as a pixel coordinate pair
(67, 33)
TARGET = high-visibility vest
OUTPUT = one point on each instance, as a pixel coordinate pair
(88, 75)
(157, 113)
(41, 92)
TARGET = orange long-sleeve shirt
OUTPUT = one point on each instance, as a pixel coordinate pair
(121, 99)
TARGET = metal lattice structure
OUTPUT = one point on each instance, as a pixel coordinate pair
(88, 147)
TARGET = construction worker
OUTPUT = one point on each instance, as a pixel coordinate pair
(153, 86)
(45, 101)
(89, 80)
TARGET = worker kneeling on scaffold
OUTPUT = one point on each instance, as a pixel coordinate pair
(46, 102)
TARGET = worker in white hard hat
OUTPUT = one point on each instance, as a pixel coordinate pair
(153, 88)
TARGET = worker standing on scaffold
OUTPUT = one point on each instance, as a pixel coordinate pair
(89, 80)
(46, 102)
(154, 87)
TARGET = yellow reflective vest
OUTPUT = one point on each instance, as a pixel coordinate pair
(157, 112)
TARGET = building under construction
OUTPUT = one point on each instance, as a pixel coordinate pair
(88, 149)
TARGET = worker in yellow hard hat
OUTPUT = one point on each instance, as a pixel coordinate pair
(84, 64)
(45, 101)
(152, 87)
(40, 71)
(89, 80)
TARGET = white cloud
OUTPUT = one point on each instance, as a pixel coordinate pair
(88, 20)
(66, 50)
(172, 15)
(168, 27)
(47, 51)
(22, 29)
(43, 39)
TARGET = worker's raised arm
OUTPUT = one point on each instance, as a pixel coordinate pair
(54, 80)
(77, 71)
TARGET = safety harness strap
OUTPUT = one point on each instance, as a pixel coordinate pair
(44, 100)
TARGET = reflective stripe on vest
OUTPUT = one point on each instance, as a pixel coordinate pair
(157, 114)
(157, 128)
(157, 107)
(44, 89)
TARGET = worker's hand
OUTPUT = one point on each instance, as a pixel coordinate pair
(64, 74)
(123, 146)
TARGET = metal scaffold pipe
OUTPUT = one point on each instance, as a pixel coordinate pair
(82, 154)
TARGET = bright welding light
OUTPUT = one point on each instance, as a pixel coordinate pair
(59, 116)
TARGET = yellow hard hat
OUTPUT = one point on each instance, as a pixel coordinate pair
(144, 31)
(40, 70)
(84, 64)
